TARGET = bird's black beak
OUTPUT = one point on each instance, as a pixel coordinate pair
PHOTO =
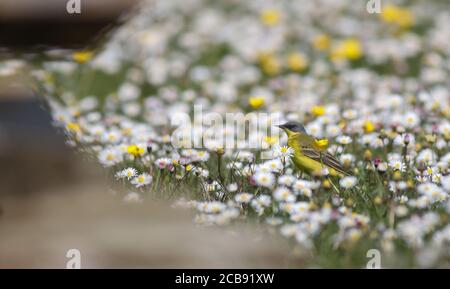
(280, 126)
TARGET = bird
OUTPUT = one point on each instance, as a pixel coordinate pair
(310, 155)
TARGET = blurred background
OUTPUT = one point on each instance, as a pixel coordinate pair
(52, 200)
(28, 140)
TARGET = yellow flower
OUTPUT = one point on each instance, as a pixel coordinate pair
(74, 127)
(367, 155)
(410, 184)
(269, 63)
(321, 42)
(369, 126)
(220, 150)
(271, 140)
(348, 49)
(349, 202)
(397, 176)
(312, 206)
(166, 138)
(396, 15)
(188, 168)
(354, 235)
(256, 101)
(135, 150)
(377, 200)
(297, 62)
(321, 144)
(270, 17)
(82, 56)
(318, 110)
(431, 138)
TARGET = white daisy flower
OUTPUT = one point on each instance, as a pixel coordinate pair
(411, 120)
(232, 187)
(347, 159)
(432, 191)
(264, 200)
(397, 165)
(333, 130)
(283, 151)
(142, 180)
(264, 179)
(243, 198)
(214, 207)
(112, 136)
(286, 180)
(201, 156)
(382, 167)
(283, 194)
(344, 139)
(350, 114)
(128, 91)
(348, 182)
(274, 165)
(244, 156)
(128, 173)
(162, 163)
(426, 156)
(110, 157)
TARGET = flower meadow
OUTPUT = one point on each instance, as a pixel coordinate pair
(375, 87)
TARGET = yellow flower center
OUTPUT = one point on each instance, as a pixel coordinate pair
(348, 49)
(270, 17)
(135, 150)
(369, 126)
(297, 62)
(82, 56)
(270, 139)
(73, 127)
(318, 110)
(396, 15)
(269, 63)
(256, 101)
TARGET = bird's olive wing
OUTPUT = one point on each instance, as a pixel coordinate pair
(325, 158)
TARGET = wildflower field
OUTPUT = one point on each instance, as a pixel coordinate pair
(373, 88)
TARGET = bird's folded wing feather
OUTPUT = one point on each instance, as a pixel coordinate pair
(325, 158)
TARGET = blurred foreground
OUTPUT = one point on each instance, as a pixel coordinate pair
(38, 231)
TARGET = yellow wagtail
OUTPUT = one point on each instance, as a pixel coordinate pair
(310, 155)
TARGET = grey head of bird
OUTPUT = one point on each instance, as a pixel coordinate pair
(293, 126)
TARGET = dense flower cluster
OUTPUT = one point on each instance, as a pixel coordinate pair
(374, 87)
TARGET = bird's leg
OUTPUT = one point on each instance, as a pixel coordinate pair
(334, 186)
